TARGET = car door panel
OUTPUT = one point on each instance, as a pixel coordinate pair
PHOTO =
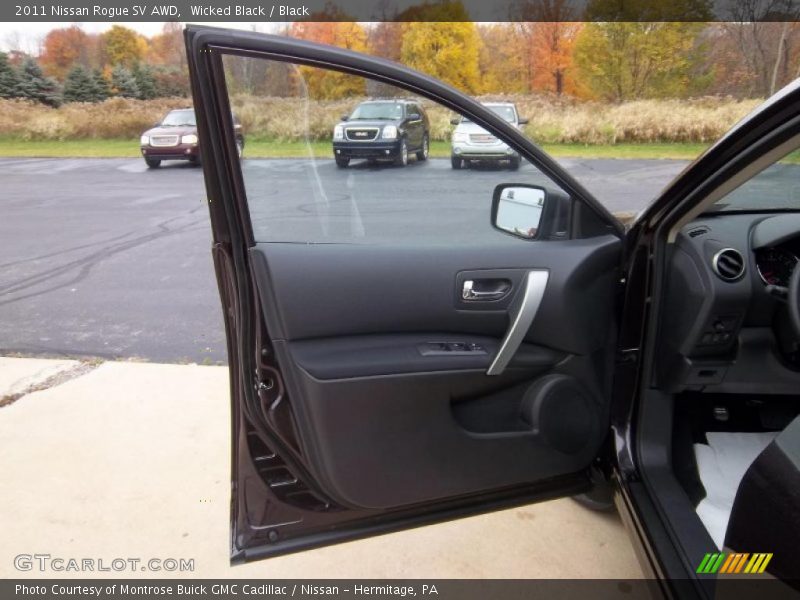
(390, 441)
(350, 417)
(377, 409)
(397, 354)
(415, 288)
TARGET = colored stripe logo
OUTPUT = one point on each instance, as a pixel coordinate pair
(722, 562)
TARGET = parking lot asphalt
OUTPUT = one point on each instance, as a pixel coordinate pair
(102, 257)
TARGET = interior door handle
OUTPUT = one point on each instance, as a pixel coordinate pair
(532, 293)
(496, 290)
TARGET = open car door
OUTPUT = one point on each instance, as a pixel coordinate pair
(407, 342)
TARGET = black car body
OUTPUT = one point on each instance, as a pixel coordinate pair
(386, 129)
(380, 357)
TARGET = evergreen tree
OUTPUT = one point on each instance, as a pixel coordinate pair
(33, 85)
(101, 88)
(8, 78)
(145, 81)
(124, 83)
(79, 86)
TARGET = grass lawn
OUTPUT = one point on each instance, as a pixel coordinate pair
(256, 148)
(68, 149)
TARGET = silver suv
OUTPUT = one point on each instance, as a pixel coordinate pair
(470, 142)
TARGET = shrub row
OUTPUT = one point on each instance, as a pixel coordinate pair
(552, 120)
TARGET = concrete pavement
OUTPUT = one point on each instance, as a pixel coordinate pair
(132, 460)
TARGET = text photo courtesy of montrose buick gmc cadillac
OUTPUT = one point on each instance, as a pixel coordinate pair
(471, 143)
(382, 130)
(175, 138)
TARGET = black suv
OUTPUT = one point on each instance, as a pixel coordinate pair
(382, 130)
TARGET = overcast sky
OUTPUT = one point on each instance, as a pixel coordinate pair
(28, 36)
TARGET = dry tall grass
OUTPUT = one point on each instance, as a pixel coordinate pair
(552, 120)
(114, 118)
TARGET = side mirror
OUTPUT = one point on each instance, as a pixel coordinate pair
(522, 121)
(531, 212)
(517, 209)
(345, 117)
(455, 121)
(414, 116)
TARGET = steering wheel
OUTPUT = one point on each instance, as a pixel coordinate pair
(794, 300)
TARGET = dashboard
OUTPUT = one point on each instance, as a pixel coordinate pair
(724, 326)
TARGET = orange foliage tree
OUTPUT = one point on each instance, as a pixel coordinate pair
(167, 48)
(62, 49)
(553, 46)
(322, 83)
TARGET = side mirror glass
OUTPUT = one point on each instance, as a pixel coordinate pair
(517, 209)
(455, 120)
(345, 117)
(523, 121)
(414, 116)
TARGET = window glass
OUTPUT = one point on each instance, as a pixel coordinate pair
(180, 118)
(774, 188)
(377, 110)
(502, 110)
(334, 158)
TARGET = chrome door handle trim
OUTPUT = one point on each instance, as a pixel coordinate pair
(532, 294)
(469, 293)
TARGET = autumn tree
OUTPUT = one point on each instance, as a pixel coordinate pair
(167, 48)
(545, 32)
(62, 49)
(553, 56)
(171, 81)
(385, 39)
(762, 38)
(323, 83)
(502, 62)
(123, 46)
(621, 61)
(8, 78)
(33, 85)
(447, 50)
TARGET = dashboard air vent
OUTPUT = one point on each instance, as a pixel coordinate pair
(728, 264)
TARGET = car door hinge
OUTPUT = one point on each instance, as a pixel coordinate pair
(628, 356)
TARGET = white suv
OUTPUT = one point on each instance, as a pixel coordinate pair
(471, 142)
